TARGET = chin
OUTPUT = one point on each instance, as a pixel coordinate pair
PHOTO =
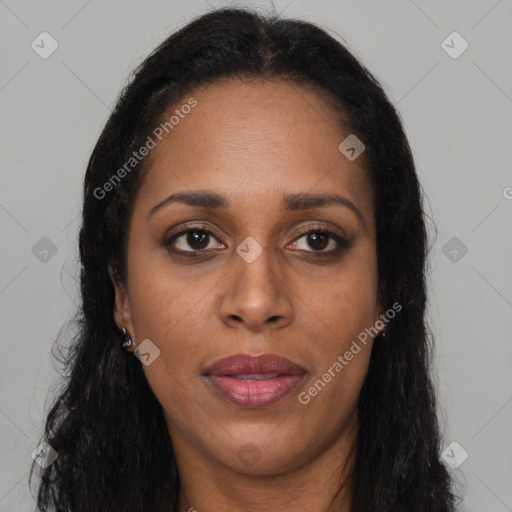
(261, 454)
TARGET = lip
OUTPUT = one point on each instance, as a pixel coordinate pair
(254, 381)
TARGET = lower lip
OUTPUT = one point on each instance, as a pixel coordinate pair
(256, 393)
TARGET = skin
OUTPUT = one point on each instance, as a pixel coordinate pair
(253, 142)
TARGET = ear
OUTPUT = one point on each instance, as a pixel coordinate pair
(122, 310)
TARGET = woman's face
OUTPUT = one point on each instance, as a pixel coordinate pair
(249, 279)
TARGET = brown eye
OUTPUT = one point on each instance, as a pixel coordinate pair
(197, 239)
(318, 241)
(321, 241)
(193, 239)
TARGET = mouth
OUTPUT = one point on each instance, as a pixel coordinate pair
(254, 381)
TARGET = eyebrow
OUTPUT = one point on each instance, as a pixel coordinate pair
(291, 202)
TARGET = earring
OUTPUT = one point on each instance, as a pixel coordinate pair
(128, 342)
(384, 334)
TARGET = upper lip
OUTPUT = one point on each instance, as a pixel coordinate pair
(243, 364)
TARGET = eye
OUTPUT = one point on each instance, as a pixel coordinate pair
(196, 238)
(195, 241)
(321, 241)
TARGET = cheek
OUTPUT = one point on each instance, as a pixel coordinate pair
(347, 303)
(165, 315)
(161, 297)
(341, 349)
(174, 313)
(344, 311)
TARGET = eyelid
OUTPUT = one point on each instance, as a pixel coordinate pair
(318, 227)
(197, 226)
(343, 242)
(168, 240)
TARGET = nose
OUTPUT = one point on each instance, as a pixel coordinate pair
(257, 296)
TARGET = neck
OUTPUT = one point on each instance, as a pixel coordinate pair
(320, 485)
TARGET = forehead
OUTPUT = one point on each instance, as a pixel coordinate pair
(254, 139)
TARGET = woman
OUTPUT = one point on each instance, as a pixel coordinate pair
(253, 233)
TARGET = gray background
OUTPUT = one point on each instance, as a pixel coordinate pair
(456, 112)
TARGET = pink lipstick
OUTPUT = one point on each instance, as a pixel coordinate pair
(254, 381)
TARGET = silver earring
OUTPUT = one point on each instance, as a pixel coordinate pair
(383, 334)
(128, 342)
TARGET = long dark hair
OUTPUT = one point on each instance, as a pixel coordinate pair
(114, 449)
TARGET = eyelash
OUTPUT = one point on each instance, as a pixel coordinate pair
(343, 244)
